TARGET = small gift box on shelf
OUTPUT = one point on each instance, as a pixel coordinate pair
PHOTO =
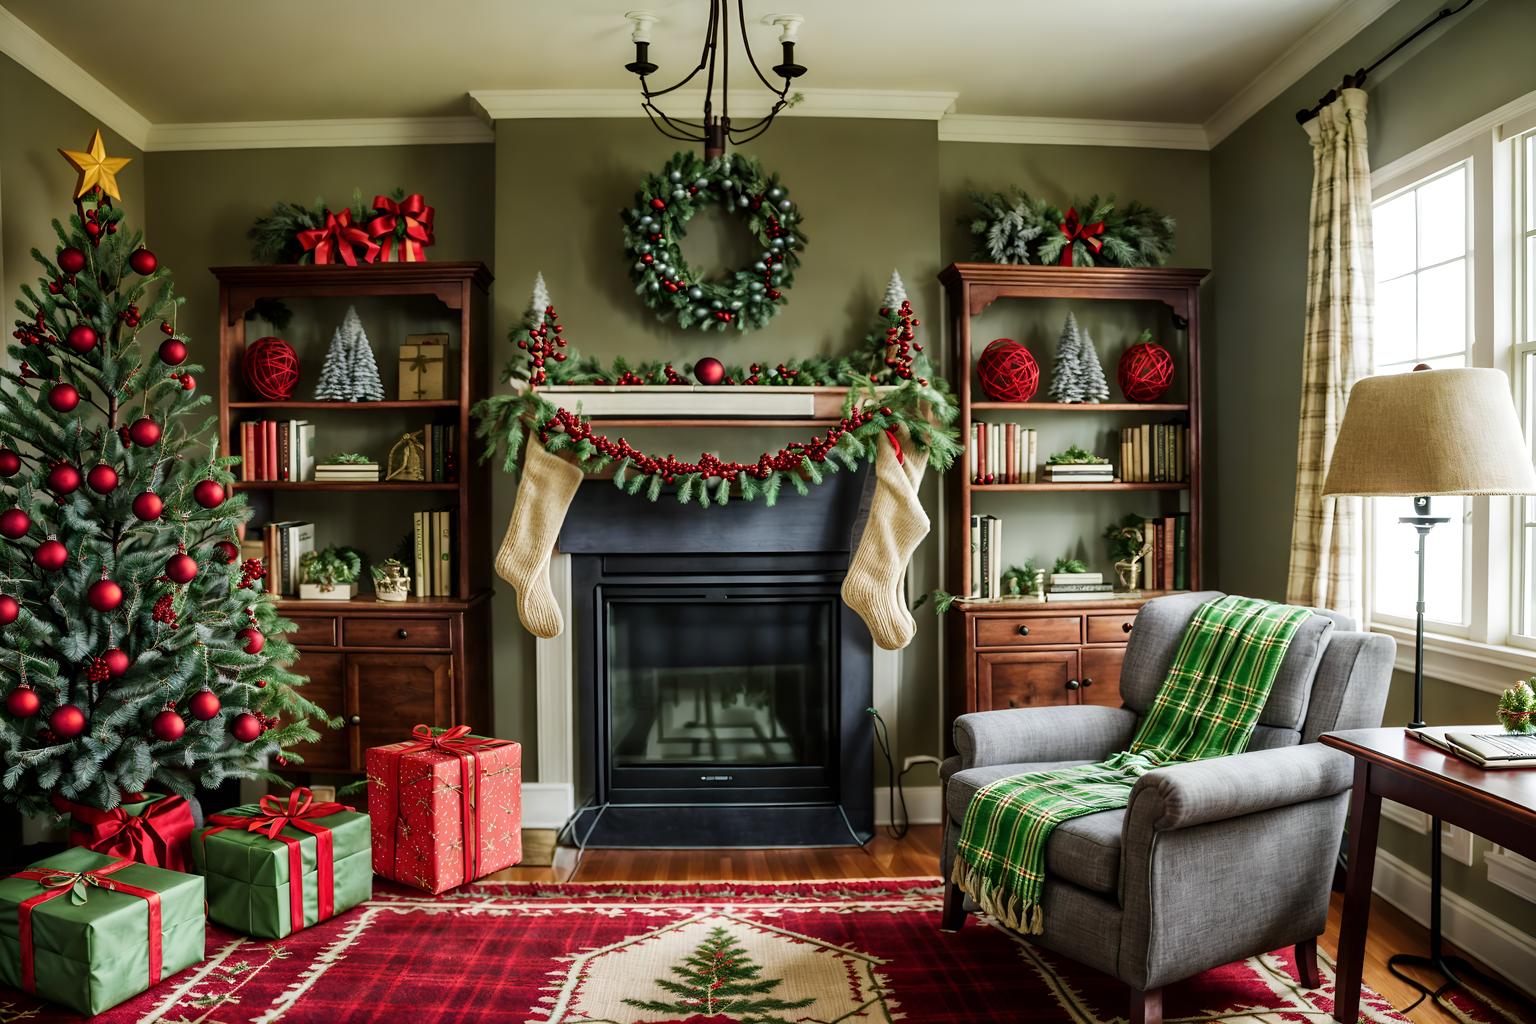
(87, 930)
(424, 368)
(447, 807)
(276, 867)
(151, 828)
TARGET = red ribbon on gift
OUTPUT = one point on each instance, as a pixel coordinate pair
(270, 819)
(408, 221)
(1077, 231)
(337, 240)
(156, 836)
(458, 742)
(57, 883)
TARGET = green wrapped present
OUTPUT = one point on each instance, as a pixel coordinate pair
(274, 868)
(89, 930)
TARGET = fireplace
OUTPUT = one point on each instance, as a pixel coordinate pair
(722, 693)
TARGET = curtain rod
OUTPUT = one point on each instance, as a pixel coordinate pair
(1356, 79)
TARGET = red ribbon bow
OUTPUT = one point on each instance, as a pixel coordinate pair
(271, 818)
(458, 742)
(338, 238)
(409, 221)
(156, 836)
(55, 884)
(1077, 231)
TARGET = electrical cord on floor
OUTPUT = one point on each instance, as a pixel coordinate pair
(896, 793)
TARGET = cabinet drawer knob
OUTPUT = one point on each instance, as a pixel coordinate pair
(1126, 627)
(1013, 702)
(1073, 684)
(1087, 682)
(401, 634)
(355, 720)
(1023, 631)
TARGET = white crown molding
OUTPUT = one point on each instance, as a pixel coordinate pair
(380, 131)
(521, 104)
(1063, 131)
(46, 61)
(1305, 54)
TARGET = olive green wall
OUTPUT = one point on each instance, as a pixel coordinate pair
(1260, 185)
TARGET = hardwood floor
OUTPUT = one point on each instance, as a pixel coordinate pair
(916, 856)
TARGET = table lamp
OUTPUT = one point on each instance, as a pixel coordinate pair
(1427, 433)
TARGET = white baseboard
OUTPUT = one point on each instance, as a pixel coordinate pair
(1492, 940)
(925, 805)
(547, 804)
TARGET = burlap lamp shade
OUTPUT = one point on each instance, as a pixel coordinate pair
(1431, 432)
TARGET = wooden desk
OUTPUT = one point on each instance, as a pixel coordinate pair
(1498, 805)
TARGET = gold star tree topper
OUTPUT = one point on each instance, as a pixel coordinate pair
(96, 168)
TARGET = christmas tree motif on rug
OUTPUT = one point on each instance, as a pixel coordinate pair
(720, 982)
(350, 373)
(1067, 383)
(1095, 387)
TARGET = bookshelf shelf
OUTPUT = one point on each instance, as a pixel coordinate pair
(1148, 408)
(446, 403)
(343, 485)
(1112, 486)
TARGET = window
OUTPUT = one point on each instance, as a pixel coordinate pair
(1523, 147)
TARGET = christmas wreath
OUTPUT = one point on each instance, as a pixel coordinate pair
(741, 298)
(1019, 228)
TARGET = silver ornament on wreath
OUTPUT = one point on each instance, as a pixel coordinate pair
(743, 297)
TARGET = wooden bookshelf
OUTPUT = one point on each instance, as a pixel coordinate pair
(383, 666)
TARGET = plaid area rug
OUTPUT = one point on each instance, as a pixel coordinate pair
(860, 952)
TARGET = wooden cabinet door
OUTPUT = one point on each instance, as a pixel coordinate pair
(326, 687)
(1100, 682)
(393, 692)
(1024, 679)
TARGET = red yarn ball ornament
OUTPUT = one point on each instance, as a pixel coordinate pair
(1008, 371)
(1146, 372)
(245, 727)
(271, 369)
(67, 722)
(203, 704)
(22, 702)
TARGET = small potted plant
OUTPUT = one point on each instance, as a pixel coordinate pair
(391, 580)
(1128, 545)
(1517, 708)
(329, 574)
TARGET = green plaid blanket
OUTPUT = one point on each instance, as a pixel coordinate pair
(1221, 675)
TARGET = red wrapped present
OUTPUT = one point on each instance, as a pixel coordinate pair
(146, 827)
(447, 807)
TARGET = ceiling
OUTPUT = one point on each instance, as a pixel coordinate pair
(267, 60)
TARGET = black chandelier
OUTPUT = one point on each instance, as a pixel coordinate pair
(715, 130)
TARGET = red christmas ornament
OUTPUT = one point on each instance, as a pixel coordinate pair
(204, 704)
(22, 702)
(10, 462)
(145, 432)
(81, 338)
(14, 523)
(67, 722)
(103, 595)
(251, 639)
(9, 609)
(63, 479)
(1146, 370)
(173, 351)
(271, 369)
(63, 397)
(227, 550)
(148, 506)
(245, 727)
(709, 370)
(1008, 372)
(102, 478)
(71, 260)
(188, 382)
(208, 493)
(143, 262)
(181, 567)
(51, 556)
(116, 660)
(168, 726)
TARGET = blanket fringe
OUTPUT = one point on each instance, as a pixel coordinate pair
(996, 901)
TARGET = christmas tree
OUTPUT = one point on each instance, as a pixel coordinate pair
(137, 651)
(350, 373)
(1091, 372)
(720, 979)
(1067, 383)
(894, 354)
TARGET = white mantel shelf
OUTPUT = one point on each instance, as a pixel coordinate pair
(697, 405)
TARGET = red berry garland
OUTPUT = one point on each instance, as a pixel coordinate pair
(1008, 371)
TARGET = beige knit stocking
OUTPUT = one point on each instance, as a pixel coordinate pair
(543, 494)
(896, 525)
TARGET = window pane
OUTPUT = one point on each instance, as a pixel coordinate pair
(1392, 233)
(1530, 280)
(1395, 564)
(1443, 218)
(1396, 330)
(1443, 310)
(1530, 182)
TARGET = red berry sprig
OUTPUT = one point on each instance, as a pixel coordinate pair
(543, 344)
(252, 572)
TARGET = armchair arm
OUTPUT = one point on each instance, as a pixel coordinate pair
(1184, 795)
(1064, 733)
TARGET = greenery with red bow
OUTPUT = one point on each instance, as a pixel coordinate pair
(1019, 228)
(393, 228)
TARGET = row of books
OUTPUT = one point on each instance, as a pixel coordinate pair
(364, 472)
(1078, 586)
(1154, 453)
(986, 556)
(439, 462)
(1002, 453)
(277, 450)
(1079, 473)
(432, 547)
(1167, 566)
(280, 547)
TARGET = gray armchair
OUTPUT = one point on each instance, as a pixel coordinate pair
(1212, 861)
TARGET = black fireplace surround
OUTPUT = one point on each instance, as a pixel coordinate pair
(722, 686)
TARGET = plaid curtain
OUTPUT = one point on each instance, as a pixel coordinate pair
(1326, 533)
